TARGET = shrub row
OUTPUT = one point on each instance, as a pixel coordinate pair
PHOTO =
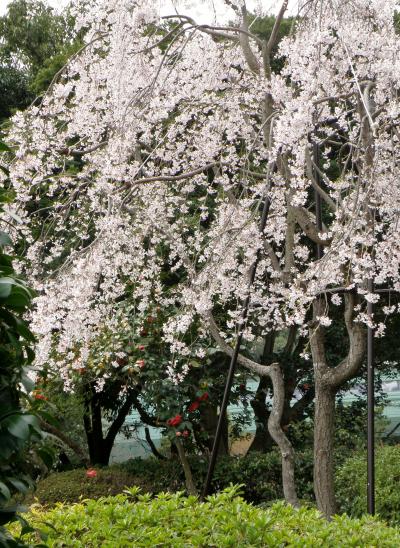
(224, 520)
(351, 481)
(260, 475)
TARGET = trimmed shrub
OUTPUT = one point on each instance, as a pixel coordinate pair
(260, 475)
(74, 485)
(224, 520)
(351, 484)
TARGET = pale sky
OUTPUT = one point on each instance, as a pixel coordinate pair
(203, 11)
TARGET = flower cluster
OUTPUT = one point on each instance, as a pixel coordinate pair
(178, 146)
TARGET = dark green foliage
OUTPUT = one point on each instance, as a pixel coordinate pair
(260, 475)
(224, 520)
(35, 43)
(351, 481)
(14, 92)
(17, 427)
(33, 32)
(51, 67)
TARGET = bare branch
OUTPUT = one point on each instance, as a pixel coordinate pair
(171, 178)
(273, 38)
(310, 164)
(251, 59)
(304, 220)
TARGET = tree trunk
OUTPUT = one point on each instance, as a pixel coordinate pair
(278, 435)
(209, 421)
(324, 429)
(190, 486)
(328, 380)
(262, 441)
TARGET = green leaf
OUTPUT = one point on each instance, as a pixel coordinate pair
(4, 147)
(4, 490)
(5, 170)
(18, 485)
(24, 331)
(17, 426)
(27, 382)
(5, 239)
(5, 287)
(47, 456)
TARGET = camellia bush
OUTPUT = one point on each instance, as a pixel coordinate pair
(156, 150)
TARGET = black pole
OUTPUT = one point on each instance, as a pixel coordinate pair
(233, 363)
(370, 408)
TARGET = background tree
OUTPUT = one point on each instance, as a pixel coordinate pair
(35, 43)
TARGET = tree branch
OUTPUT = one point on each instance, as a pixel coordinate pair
(76, 448)
(116, 425)
(251, 59)
(273, 38)
(309, 228)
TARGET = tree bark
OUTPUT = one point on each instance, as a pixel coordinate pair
(262, 441)
(324, 429)
(190, 486)
(100, 446)
(209, 421)
(328, 380)
(280, 438)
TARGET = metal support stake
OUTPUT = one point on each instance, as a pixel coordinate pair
(370, 408)
(233, 363)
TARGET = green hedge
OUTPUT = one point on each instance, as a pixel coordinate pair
(224, 520)
(260, 475)
(351, 481)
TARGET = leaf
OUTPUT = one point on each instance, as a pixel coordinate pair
(18, 485)
(5, 170)
(24, 331)
(5, 287)
(5, 238)
(19, 299)
(4, 147)
(27, 382)
(46, 456)
(5, 491)
(17, 426)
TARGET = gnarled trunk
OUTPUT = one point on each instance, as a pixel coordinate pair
(328, 380)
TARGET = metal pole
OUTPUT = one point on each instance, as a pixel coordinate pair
(233, 363)
(370, 408)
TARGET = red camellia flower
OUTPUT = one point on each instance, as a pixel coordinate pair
(91, 473)
(141, 347)
(38, 396)
(140, 363)
(193, 406)
(186, 433)
(175, 421)
(203, 397)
